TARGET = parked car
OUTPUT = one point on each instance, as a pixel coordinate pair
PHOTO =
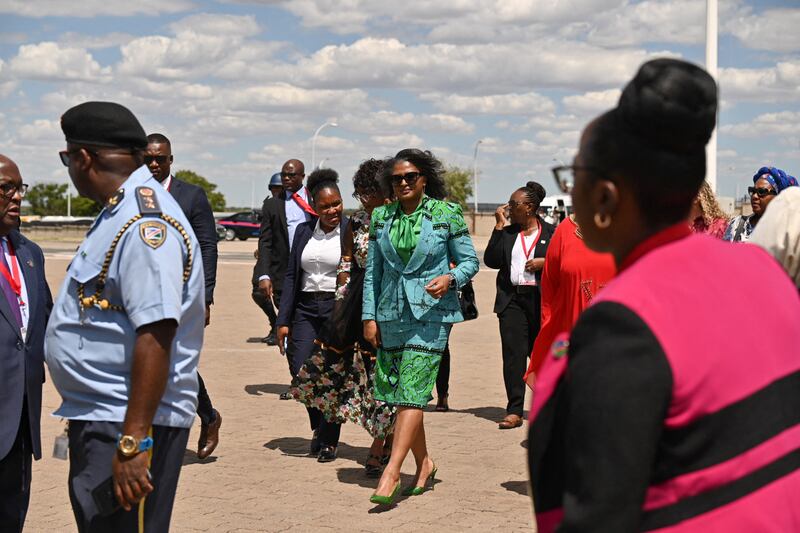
(241, 225)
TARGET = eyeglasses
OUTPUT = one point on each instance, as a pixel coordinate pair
(10, 189)
(160, 159)
(761, 191)
(291, 174)
(409, 177)
(65, 154)
(565, 176)
(512, 204)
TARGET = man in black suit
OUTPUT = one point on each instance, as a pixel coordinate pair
(195, 206)
(25, 305)
(281, 215)
(275, 189)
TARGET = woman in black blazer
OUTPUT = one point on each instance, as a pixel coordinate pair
(518, 250)
(309, 290)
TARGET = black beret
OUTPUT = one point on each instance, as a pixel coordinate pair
(103, 124)
(672, 104)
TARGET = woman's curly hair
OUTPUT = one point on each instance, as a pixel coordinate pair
(368, 178)
(709, 204)
(428, 166)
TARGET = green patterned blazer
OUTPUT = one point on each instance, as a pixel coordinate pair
(389, 284)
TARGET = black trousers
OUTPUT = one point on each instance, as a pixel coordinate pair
(15, 478)
(204, 408)
(265, 304)
(519, 325)
(443, 378)
(92, 446)
(311, 311)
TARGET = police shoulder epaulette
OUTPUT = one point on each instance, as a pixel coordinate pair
(148, 203)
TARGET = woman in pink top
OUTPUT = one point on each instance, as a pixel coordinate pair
(667, 408)
(706, 216)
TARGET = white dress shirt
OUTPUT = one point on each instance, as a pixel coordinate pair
(167, 182)
(319, 260)
(520, 276)
(24, 306)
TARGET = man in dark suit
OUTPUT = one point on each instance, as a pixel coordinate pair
(281, 216)
(275, 189)
(194, 204)
(25, 305)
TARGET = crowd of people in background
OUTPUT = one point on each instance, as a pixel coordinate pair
(655, 405)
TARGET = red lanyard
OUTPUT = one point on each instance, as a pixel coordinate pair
(15, 280)
(528, 251)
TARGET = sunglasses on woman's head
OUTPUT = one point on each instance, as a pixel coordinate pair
(409, 177)
(761, 191)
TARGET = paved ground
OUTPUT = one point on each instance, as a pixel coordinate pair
(260, 478)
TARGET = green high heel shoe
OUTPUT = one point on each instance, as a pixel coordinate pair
(386, 500)
(417, 491)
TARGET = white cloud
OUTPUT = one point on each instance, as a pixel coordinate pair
(773, 30)
(592, 102)
(380, 122)
(497, 104)
(217, 24)
(48, 61)
(480, 69)
(780, 83)
(82, 40)
(92, 8)
(782, 123)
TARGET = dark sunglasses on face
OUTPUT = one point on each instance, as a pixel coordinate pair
(65, 155)
(761, 191)
(512, 204)
(409, 177)
(291, 174)
(160, 159)
(10, 189)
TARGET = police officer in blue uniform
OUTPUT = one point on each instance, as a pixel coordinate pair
(125, 333)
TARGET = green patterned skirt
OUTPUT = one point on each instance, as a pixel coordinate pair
(408, 363)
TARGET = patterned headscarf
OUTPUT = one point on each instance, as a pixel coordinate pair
(776, 177)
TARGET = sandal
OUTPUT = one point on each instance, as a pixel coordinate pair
(373, 470)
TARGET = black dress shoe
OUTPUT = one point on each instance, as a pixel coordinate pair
(326, 454)
(286, 395)
(270, 339)
(314, 447)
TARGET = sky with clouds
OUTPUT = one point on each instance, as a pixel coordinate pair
(239, 86)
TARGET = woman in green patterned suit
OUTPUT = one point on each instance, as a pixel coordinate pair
(411, 302)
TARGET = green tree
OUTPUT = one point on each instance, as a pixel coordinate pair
(47, 199)
(459, 185)
(216, 199)
(50, 199)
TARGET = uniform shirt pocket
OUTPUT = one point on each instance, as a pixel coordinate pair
(84, 268)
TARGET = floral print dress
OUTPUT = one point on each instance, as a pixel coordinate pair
(338, 377)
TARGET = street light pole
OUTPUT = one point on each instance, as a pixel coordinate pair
(331, 123)
(475, 177)
(69, 198)
(711, 67)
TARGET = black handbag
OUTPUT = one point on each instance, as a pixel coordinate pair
(466, 297)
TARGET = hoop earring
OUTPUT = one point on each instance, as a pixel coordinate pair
(602, 221)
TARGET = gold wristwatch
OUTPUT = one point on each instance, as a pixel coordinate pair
(129, 445)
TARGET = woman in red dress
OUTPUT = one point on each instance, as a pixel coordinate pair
(573, 275)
